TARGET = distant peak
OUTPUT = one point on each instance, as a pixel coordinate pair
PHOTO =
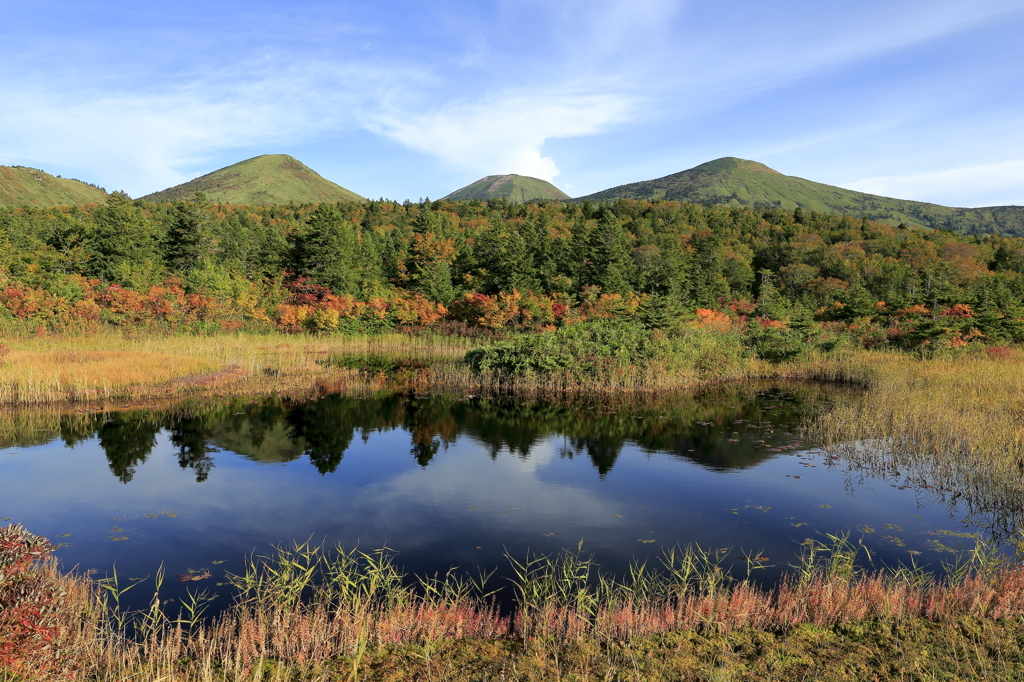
(729, 163)
(515, 188)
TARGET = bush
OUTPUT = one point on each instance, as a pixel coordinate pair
(582, 350)
(29, 608)
(775, 344)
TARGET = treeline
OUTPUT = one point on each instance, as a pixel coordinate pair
(473, 266)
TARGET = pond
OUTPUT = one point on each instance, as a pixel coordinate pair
(455, 481)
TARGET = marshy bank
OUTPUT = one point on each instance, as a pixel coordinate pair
(310, 614)
(117, 365)
(407, 435)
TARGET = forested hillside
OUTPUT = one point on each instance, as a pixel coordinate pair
(474, 268)
(739, 182)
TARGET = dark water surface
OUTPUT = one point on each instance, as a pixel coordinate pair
(449, 481)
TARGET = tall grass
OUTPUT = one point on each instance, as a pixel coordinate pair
(117, 365)
(309, 613)
(952, 425)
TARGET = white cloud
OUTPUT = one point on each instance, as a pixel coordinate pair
(504, 132)
(567, 70)
(993, 184)
(143, 141)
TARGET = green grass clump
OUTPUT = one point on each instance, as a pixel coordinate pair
(608, 350)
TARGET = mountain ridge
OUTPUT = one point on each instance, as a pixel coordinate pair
(262, 180)
(25, 186)
(733, 181)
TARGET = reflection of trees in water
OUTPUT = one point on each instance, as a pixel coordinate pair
(432, 422)
(192, 436)
(322, 425)
(324, 429)
(127, 439)
(716, 429)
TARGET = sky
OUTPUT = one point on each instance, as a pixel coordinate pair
(916, 99)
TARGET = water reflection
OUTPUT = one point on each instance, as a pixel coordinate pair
(450, 480)
(723, 429)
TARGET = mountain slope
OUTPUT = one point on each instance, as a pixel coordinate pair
(267, 179)
(23, 186)
(739, 182)
(515, 188)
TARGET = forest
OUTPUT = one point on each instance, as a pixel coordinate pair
(488, 269)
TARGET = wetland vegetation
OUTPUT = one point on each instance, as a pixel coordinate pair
(729, 355)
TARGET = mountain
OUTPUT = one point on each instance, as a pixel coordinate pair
(262, 180)
(23, 186)
(738, 182)
(515, 188)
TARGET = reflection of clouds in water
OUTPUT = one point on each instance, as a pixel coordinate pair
(378, 493)
(462, 478)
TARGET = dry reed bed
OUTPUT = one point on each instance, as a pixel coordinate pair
(119, 366)
(114, 366)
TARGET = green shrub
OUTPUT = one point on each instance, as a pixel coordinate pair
(602, 348)
(580, 350)
(775, 344)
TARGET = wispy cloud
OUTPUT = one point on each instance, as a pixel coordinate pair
(997, 184)
(482, 88)
(504, 132)
(142, 141)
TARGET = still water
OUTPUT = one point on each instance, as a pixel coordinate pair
(454, 481)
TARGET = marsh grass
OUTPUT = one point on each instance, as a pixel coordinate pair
(311, 613)
(118, 366)
(953, 427)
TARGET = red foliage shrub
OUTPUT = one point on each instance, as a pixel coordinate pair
(998, 352)
(28, 603)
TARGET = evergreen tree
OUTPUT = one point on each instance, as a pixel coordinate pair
(709, 283)
(190, 243)
(610, 263)
(431, 255)
(326, 251)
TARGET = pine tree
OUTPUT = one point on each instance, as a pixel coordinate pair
(126, 244)
(326, 250)
(430, 257)
(610, 262)
(190, 243)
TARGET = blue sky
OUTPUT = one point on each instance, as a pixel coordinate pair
(918, 99)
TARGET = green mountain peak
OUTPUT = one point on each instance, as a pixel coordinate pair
(261, 180)
(514, 188)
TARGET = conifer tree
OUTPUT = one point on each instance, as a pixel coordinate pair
(326, 250)
(190, 243)
(126, 244)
